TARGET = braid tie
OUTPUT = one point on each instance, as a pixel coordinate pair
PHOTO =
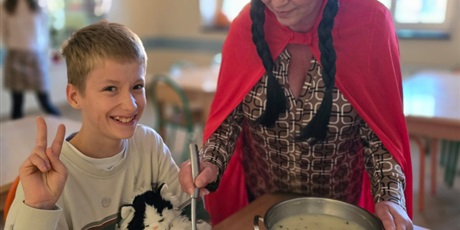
(276, 101)
(317, 128)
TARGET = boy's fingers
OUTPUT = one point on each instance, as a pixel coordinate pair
(58, 140)
(40, 152)
(41, 141)
(38, 162)
(56, 163)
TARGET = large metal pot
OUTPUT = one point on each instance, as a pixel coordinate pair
(321, 206)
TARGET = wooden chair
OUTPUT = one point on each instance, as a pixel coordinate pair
(174, 113)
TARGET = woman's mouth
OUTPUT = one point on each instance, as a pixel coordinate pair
(283, 14)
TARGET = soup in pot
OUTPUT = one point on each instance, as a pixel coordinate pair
(316, 222)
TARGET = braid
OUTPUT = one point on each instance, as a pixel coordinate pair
(276, 101)
(317, 127)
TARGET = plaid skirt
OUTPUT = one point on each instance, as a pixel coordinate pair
(26, 70)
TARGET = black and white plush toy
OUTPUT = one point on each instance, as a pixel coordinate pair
(156, 209)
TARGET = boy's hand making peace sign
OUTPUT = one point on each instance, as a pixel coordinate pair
(42, 174)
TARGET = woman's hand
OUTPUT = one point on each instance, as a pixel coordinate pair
(208, 173)
(42, 174)
(393, 216)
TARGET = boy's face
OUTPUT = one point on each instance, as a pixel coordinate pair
(113, 100)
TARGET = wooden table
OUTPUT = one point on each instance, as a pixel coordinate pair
(432, 104)
(17, 139)
(243, 219)
(432, 109)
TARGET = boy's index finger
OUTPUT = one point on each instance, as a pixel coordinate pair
(58, 140)
(41, 141)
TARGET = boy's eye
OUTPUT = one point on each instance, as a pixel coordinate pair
(110, 88)
(138, 86)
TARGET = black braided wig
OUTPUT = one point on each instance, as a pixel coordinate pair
(276, 102)
(316, 130)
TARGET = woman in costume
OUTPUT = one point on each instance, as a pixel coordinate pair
(309, 100)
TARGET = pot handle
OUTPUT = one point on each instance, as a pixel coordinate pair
(257, 218)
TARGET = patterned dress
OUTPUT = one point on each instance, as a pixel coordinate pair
(275, 162)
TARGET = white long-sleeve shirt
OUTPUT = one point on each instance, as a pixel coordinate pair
(25, 29)
(93, 195)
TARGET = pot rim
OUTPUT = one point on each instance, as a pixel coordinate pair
(329, 200)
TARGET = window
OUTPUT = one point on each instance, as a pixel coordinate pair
(422, 18)
(67, 16)
(413, 18)
(218, 14)
(231, 8)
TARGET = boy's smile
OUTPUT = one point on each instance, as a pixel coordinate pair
(111, 104)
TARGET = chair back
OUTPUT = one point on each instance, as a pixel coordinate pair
(173, 113)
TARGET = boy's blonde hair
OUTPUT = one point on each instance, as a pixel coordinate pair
(96, 43)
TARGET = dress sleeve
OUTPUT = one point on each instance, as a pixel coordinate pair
(387, 178)
(219, 147)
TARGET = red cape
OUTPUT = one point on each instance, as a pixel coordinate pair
(368, 74)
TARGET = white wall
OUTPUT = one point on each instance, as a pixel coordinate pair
(139, 16)
(180, 19)
(166, 19)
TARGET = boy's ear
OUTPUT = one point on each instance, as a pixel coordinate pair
(73, 96)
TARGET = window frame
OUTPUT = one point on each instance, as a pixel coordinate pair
(404, 30)
(444, 27)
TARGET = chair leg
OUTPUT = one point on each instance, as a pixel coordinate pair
(421, 188)
(434, 164)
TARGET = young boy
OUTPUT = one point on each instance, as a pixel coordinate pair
(83, 180)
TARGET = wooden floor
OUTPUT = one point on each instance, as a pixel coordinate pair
(442, 211)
